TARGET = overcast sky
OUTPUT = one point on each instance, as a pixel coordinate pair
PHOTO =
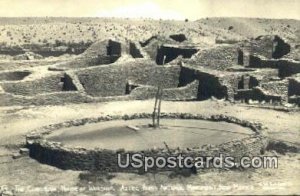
(165, 9)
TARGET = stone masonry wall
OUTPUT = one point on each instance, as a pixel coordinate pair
(111, 80)
(257, 94)
(288, 67)
(276, 88)
(13, 76)
(31, 88)
(294, 86)
(219, 57)
(188, 92)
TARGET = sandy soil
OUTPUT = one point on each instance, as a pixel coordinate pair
(28, 177)
(116, 135)
(75, 30)
(17, 121)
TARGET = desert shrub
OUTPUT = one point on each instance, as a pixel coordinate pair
(8, 33)
(45, 41)
(59, 43)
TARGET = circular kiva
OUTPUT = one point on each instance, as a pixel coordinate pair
(102, 139)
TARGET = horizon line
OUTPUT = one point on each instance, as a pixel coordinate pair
(149, 18)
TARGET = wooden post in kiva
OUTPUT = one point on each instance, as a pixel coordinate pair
(157, 103)
(154, 110)
(157, 106)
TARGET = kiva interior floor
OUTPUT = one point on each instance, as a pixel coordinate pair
(174, 132)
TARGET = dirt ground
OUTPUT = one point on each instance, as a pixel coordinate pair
(26, 176)
(16, 121)
(117, 135)
(34, 178)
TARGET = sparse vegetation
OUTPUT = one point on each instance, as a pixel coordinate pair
(57, 72)
(76, 30)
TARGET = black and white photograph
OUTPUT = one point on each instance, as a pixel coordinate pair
(149, 97)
